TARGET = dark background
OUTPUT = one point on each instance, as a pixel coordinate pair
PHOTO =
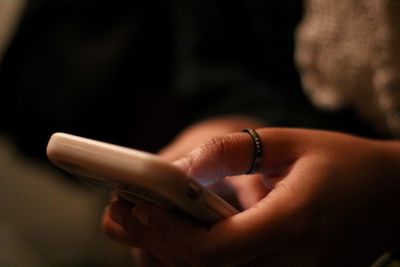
(136, 72)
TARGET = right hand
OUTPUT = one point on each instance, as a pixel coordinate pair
(331, 194)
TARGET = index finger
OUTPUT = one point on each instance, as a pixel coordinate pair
(233, 154)
(238, 239)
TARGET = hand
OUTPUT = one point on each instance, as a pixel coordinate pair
(183, 143)
(333, 202)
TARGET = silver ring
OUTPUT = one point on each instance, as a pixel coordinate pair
(258, 150)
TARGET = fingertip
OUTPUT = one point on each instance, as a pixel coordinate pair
(114, 230)
(218, 157)
(117, 210)
(106, 219)
(184, 163)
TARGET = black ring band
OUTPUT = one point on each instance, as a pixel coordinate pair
(258, 150)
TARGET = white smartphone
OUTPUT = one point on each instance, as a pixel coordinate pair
(136, 176)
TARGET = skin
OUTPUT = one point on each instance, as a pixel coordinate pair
(188, 139)
(319, 199)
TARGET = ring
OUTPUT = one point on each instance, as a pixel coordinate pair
(258, 150)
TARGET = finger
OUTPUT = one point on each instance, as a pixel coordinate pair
(241, 191)
(232, 241)
(234, 154)
(263, 222)
(118, 223)
(225, 190)
(155, 242)
(122, 225)
(250, 189)
(113, 229)
(257, 232)
(167, 234)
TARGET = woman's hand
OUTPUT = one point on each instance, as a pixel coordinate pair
(324, 199)
(188, 139)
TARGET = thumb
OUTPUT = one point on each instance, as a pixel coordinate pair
(233, 154)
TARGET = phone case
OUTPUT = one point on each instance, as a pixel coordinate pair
(136, 176)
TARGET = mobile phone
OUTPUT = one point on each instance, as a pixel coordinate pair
(136, 176)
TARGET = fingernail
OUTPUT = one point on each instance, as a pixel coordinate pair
(141, 215)
(182, 163)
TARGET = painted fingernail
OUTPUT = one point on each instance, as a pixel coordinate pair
(141, 215)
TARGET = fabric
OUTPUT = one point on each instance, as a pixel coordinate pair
(348, 56)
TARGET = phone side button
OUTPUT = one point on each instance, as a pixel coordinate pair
(193, 191)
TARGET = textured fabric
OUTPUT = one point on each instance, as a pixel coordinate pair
(348, 56)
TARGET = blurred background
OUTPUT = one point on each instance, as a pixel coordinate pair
(46, 220)
(133, 73)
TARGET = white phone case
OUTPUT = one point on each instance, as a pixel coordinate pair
(136, 176)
